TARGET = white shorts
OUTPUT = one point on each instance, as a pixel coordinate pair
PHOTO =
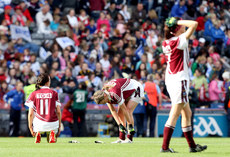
(42, 126)
(139, 93)
(178, 92)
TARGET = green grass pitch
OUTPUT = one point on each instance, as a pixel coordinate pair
(142, 147)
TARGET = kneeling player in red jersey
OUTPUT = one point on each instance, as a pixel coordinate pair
(127, 93)
(44, 104)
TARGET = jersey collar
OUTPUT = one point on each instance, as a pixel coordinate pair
(44, 87)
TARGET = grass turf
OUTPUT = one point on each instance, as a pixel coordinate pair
(142, 147)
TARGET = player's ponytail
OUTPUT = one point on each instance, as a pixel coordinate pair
(41, 80)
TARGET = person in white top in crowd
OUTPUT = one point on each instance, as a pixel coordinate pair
(105, 63)
(125, 13)
(43, 15)
(152, 39)
(44, 27)
(72, 19)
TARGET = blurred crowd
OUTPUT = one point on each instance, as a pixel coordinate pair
(112, 39)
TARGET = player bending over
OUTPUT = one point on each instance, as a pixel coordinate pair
(127, 93)
(44, 104)
(175, 47)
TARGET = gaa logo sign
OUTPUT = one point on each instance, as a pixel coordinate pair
(206, 126)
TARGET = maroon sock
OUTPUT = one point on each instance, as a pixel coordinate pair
(130, 137)
(121, 135)
(188, 134)
(168, 131)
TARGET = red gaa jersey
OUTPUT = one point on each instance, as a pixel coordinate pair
(122, 89)
(176, 50)
(44, 102)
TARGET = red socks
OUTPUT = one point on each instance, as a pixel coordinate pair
(121, 135)
(168, 131)
(130, 137)
(188, 134)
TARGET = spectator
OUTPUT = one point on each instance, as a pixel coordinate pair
(218, 69)
(92, 28)
(6, 15)
(26, 12)
(15, 98)
(179, 9)
(127, 67)
(44, 15)
(2, 75)
(144, 60)
(85, 70)
(139, 13)
(139, 39)
(154, 95)
(124, 12)
(214, 91)
(3, 89)
(18, 18)
(3, 28)
(152, 40)
(55, 24)
(44, 27)
(96, 6)
(83, 18)
(67, 78)
(200, 82)
(35, 66)
(63, 28)
(112, 10)
(103, 21)
(98, 71)
(105, 63)
(73, 21)
(53, 58)
(55, 82)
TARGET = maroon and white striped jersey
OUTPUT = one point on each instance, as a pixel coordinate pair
(122, 89)
(176, 50)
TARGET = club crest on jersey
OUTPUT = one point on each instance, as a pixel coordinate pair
(43, 95)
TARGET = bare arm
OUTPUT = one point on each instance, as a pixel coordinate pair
(191, 27)
(30, 121)
(58, 111)
(114, 113)
(160, 99)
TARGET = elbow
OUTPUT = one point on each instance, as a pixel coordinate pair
(195, 24)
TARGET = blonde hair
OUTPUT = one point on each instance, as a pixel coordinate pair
(98, 96)
(153, 14)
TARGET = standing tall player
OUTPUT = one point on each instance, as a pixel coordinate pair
(127, 93)
(44, 104)
(175, 47)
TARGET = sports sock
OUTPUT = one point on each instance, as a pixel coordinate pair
(188, 134)
(168, 131)
(122, 135)
(130, 137)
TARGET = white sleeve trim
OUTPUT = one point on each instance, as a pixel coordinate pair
(58, 103)
(30, 104)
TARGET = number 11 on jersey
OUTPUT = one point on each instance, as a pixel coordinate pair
(42, 105)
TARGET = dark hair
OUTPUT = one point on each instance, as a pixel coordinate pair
(82, 85)
(169, 31)
(42, 80)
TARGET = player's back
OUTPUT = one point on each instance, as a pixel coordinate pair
(45, 102)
